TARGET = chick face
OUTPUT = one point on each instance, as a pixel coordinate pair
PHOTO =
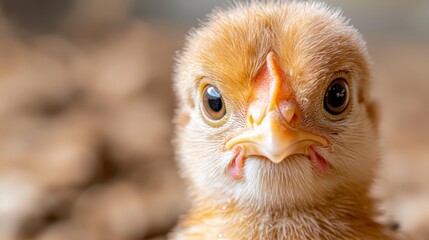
(274, 107)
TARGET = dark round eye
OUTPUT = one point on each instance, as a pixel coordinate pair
(336, 96)
(213, 104)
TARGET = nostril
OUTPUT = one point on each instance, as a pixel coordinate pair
(250, 120)
(255, 115)
(294, 120)
(289, 113)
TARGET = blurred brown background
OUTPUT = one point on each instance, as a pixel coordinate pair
(86, 107)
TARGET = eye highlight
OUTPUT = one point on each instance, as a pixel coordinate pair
(336, 96)
(213, 104)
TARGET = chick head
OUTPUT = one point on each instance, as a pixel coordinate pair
(274, 106)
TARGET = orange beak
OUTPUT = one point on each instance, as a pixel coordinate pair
(273, 118)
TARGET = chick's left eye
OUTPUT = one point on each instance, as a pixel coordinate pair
(214, 107)
(336, 96)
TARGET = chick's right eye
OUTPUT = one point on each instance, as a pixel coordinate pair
(214, 107)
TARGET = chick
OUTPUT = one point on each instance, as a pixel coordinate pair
(276, 131)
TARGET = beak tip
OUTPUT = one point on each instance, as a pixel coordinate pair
(277, 161)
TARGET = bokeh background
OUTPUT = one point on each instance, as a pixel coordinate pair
(86, 107)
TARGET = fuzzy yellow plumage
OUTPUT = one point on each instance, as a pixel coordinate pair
(276, 131)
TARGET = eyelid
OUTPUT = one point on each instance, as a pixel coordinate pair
(341, 74)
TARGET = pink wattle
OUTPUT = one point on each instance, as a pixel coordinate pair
(320, 164)
(236, 167)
